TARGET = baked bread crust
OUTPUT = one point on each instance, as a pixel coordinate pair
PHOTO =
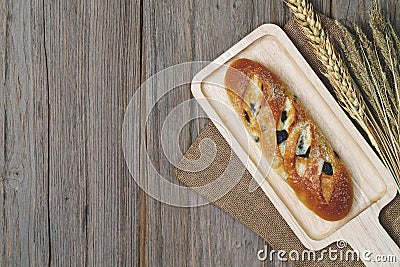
(303, 156)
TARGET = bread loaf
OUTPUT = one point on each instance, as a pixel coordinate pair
(303, 156)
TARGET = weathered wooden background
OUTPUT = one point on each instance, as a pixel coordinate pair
(68, 70)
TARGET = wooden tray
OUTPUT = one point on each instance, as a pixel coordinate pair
(373, 184)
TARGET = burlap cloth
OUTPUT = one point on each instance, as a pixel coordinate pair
(254, 209)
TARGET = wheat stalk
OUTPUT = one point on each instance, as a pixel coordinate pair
(335, 70)
(375, 65)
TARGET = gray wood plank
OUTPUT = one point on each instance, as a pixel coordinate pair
(67, 35)
(93, 50)
(24, 118)
(3, 39)
(114, 75)
(164, 44)
(351, 11)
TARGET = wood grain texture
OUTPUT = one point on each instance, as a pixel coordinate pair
(93, 71)
(67, 51)
(68, 70)
(114, 73)
(24, 233)
(162, 49)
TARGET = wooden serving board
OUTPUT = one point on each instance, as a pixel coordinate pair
(373, 185)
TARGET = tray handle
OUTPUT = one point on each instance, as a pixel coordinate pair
(375, 246)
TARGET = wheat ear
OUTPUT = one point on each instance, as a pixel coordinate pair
(335, 70)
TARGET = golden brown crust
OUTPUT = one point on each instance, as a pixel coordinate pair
(303, 157)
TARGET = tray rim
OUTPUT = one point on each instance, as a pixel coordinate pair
(373, 210)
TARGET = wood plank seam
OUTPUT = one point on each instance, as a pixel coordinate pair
(48, 131)
(5, 77)
(142, 195)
